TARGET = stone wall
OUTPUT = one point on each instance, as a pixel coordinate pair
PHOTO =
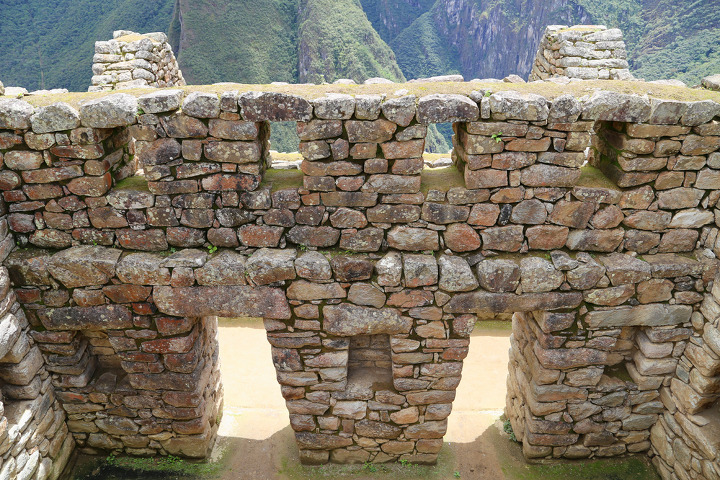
(34, 438)
(369, 271)
(586, 52)
(686, 439)
(132, 60)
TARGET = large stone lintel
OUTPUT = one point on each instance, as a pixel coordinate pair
(348, 320)
(652, 315)
(480, 302)
(102, 317)
(222, 301)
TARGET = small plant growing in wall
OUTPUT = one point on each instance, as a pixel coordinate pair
(497, 137)
(507, 428)
(212, 249)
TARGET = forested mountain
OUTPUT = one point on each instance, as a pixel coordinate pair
(49, 43)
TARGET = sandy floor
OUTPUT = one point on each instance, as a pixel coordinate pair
(259, 444)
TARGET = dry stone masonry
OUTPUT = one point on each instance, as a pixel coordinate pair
(586, 52)
(133, 60)
(128, 233)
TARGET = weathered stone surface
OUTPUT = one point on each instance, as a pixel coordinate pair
(506, 239)
(314, 266)
(304, 290)
(420, 270)
(88, 318)
(651, 315)
(225, 268)
(179, 125)
(55, 118)
(142, 269)
(15, 114)
(316, 441)
(460, 237)
(446, 108)
(367, 295)
(412, 239)
(389, 269)
(622, 269)
(539, 275)
(116, 110)
(161, 101)
(542, 175)
(372, 429)
(617, 107)
(531, 212)
(201, 105)
(456, 275)
(222, 301)
(393, 214)
(516, 106)
(498, 275)
(400, 110)
(334, 106)
(268, 266)
(349, 320)
(274, 107)
(595, 240)
(479, 302)
(84, 266)
(351, 269)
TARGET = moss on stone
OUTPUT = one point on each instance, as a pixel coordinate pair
(592, 177)
(137, 182)
(282, 179)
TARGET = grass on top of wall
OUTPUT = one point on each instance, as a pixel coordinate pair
(549, 90)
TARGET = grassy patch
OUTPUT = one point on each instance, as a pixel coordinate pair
(399, 470)
(592, 177)
(635, 468)
(547, 89)
(133, 183)
(142, 468)
(282, 179)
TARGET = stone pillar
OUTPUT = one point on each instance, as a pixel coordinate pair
(588, 52)
(686, 440)
(133, 60)
(369, 373)
(34, 439)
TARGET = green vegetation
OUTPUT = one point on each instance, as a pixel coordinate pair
(282, 179)
(116, 468)
(336, 40)
(133, 183)
(239, 41)
(390, 17)
(50, 43)
(423, 52)
(592, 177)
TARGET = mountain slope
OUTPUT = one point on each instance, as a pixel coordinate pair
(236, 40)
(336, 40)
(50, 43)
(480, 38)
(391, 17)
